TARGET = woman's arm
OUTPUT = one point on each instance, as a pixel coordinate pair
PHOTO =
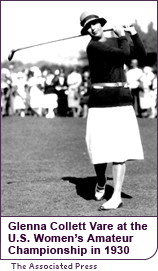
(99, 49)
(137, 49)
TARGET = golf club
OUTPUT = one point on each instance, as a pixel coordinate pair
(12, 52)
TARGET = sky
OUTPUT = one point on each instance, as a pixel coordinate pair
(25, 23)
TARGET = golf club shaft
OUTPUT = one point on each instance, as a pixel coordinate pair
(12, 52)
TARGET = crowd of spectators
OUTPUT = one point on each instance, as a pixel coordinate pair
(143, 85)
(49, 94)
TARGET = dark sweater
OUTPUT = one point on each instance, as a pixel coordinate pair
(106, 61)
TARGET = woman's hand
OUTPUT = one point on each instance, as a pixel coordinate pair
(119, 31)
(130, 29)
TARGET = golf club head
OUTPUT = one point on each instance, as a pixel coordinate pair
(11, 54)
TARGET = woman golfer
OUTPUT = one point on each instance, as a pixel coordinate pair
(112, 133)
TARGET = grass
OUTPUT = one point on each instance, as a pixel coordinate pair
(45, 170)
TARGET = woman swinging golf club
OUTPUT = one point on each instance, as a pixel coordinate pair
(112, 133)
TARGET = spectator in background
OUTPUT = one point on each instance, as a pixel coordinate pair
(55, 81)
(20, 95)
(84, 93)
(62, 78)
(147, 95)
(74, 80)
(3, 86)
(6, 93)
(61, 90)
(50, 102)
(133, 76)
(48, 75)
(154, 96)
(36, 85)
(5, 98)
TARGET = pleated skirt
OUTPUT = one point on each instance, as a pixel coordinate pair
(112, 135)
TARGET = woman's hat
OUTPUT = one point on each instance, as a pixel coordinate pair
(87, 17)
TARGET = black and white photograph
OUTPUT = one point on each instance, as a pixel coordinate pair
(79, 109)
(69, 147)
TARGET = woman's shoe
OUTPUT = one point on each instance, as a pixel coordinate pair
(104, 208)
(99, 192)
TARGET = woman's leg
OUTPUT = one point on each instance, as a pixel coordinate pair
(101, 180)
(118, 171)
(100, 172)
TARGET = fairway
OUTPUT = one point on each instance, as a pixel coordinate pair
(45, 170)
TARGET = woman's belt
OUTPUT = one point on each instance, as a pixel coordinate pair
(109, 96)
(103, 85)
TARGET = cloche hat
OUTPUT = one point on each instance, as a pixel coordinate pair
(87, 17)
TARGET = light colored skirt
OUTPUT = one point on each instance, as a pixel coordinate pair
(36, 97)
(50, 101)
(19, 102)
(73, 99)
(112, 135)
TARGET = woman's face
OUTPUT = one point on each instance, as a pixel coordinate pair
(95, 30)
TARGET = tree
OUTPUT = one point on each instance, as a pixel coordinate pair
(149, 39)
